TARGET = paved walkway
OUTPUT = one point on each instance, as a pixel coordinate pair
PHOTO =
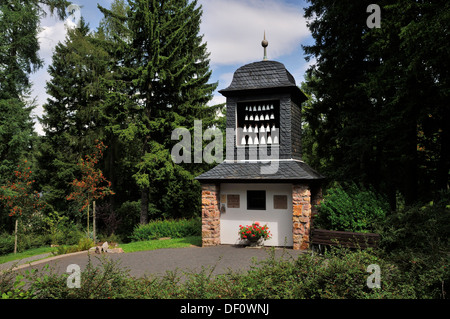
(159, 261)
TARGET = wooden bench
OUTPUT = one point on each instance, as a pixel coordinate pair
(344, 239)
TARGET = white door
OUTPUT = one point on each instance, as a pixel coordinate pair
(279, 220)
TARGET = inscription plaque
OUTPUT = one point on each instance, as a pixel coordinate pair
(233, 201)
(280, 201)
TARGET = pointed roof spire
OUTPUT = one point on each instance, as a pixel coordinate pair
(264, 44)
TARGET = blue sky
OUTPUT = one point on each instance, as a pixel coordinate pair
(233, 30)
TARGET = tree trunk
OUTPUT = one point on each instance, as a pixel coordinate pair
(93, 220)
(15, 236)
(88, 220)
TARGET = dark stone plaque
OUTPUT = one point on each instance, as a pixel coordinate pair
(280, 201)
(233, 201)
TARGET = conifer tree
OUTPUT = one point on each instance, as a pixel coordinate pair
(166, 65)
(19, 46)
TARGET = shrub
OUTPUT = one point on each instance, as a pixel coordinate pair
(417, 238)
(340, 273)
(6, 244)
(83, 244)
(351, 209)
(174, 228)
(128, 214)
(423, 228)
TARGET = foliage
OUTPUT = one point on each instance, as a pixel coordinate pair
(378, 112)
(123, 84)
(54, 221)
(340, 274)
(174, 228)
(19, 46)
(254, 231)
(18, 194)
(422, 228)
(350, 208)
(83, 244)
(166, 66)
(90, 186)
(6, 244)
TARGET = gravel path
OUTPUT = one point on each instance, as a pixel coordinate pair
(158, 262)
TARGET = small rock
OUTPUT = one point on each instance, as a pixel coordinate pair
(115, 251)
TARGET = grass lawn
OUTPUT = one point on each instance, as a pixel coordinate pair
(25, 254)
(128, 248)
(158, 244)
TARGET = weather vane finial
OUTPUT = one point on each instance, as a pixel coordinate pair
(265, 43)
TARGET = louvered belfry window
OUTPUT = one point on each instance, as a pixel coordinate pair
(258, 123)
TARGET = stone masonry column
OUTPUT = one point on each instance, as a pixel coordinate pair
(301, 216)
(210, 215)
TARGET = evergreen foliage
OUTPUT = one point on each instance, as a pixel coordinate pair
(379, 110)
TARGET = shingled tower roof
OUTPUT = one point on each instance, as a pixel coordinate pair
(260, 75)
(253, 86)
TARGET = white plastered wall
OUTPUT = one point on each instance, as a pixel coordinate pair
(279, 221)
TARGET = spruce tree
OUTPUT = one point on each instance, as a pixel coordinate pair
(379, 110)
(166, 65)
(72, 121)
(19, 46)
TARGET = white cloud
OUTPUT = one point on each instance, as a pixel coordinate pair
(49, 38)
(233, 29)
(53, 31)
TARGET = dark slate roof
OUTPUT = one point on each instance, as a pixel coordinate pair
(260, 75)
(251, 172)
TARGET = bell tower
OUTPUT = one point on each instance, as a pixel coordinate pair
(263, 120)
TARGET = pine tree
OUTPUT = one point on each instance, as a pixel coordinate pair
(167, 65)
(380, 96)
(73, 114)
(19, 46)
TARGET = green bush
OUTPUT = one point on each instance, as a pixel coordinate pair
(83, 244)
(417, 238)
(351, 209)
(340, 274)
(6, 243)
(424, 228)
(174, 228)
(128, 214)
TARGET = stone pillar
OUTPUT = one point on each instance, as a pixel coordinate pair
(301, 216)
(210, 215)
